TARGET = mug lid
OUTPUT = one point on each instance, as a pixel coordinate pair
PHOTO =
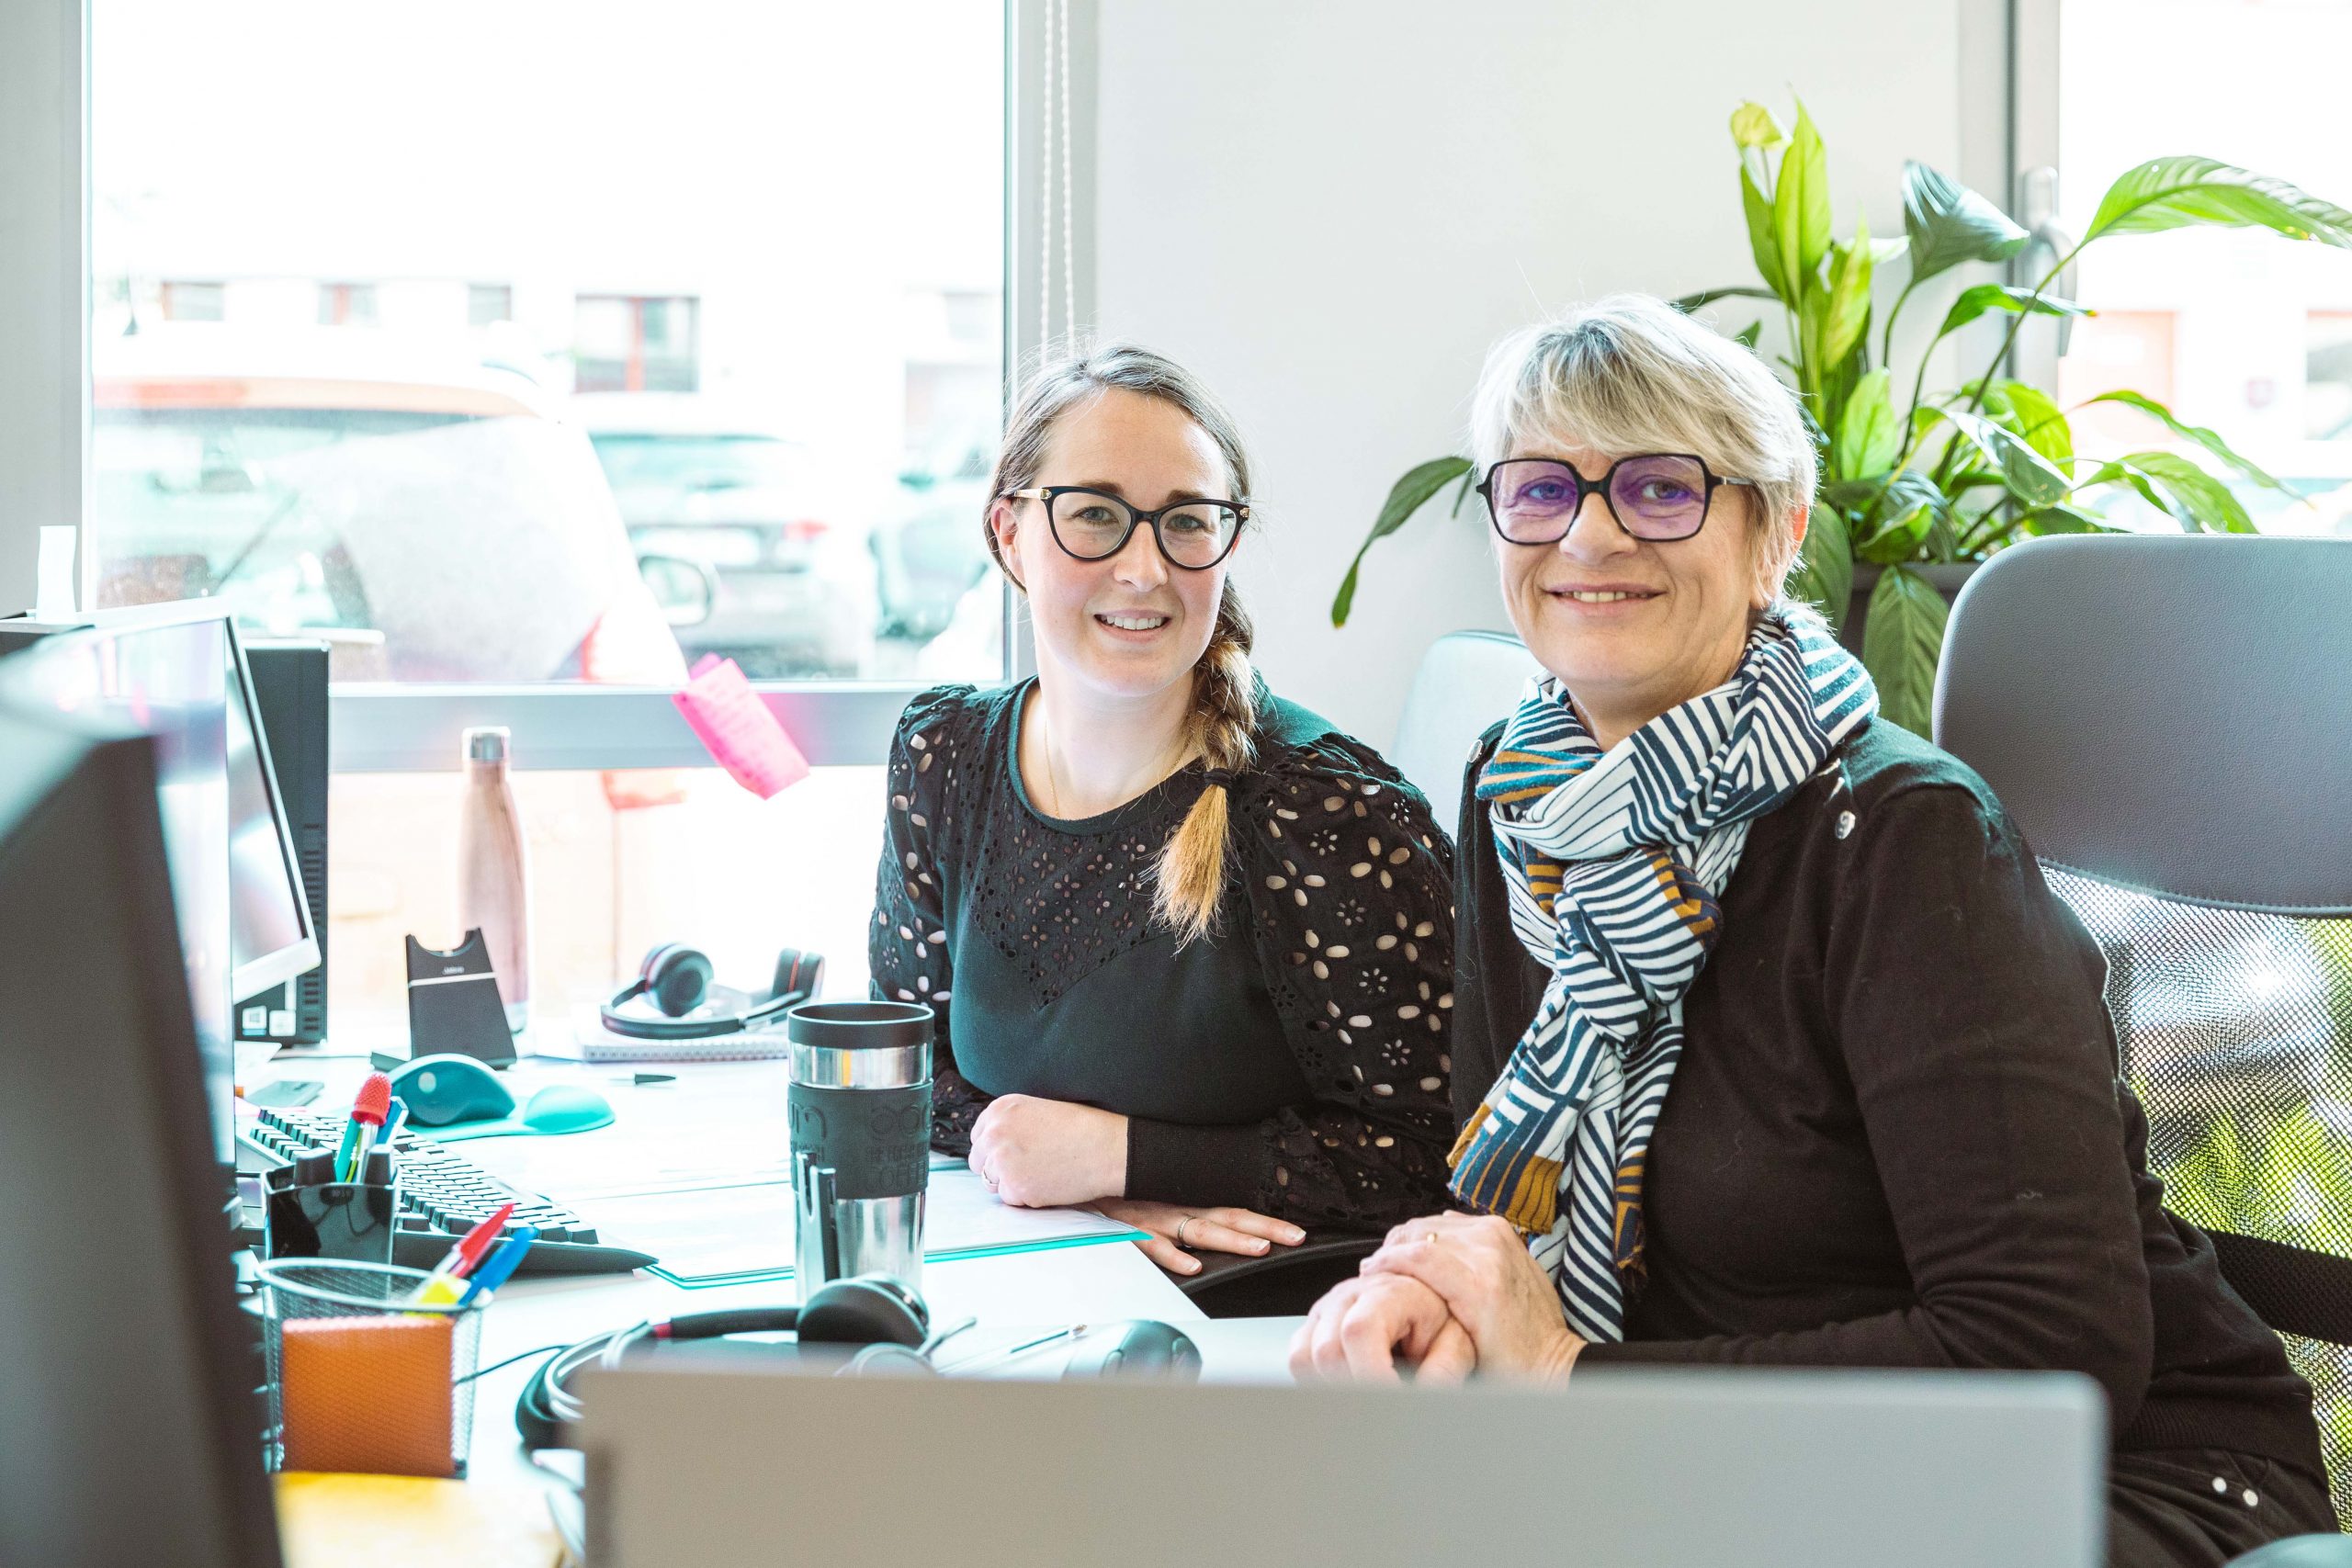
(859, 1026)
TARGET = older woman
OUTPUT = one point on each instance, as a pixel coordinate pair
(1770, 1045)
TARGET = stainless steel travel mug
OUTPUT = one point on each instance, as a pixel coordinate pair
(859, 1106)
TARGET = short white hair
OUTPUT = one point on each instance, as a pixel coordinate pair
(1632, 374)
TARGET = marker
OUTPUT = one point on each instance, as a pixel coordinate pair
(367, 1110)
(460, 1260)
(392, 1123)
(499, 1266)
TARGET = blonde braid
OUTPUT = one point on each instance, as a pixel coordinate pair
(1222, 725)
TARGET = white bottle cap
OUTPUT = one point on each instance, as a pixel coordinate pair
(486, 744)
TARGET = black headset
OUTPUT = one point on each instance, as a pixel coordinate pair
(677, 979)
(870, 1310)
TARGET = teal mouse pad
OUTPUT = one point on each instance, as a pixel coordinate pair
(554, 1110)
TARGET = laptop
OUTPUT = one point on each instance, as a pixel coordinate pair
(739, 1462)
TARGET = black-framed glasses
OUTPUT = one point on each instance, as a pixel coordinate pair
(1094, 525)
(1659, 496)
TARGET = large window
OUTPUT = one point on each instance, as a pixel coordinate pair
(2239, 331)
(420, 357)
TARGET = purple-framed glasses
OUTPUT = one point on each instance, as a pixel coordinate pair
(1657, 496)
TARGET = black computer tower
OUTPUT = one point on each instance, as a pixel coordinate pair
(290, 684)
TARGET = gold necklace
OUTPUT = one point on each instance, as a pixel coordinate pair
(1053, 784)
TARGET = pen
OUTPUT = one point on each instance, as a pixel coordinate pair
(367, 1110)
(499, 1266)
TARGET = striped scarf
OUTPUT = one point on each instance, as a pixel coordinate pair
(1613, 861)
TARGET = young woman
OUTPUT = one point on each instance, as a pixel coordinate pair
(1189, 945)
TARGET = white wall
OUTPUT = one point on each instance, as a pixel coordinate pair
(1330, 208)
(42, 358)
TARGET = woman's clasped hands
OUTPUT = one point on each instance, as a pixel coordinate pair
(1446, 1294)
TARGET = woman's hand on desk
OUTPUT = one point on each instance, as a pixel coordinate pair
(1044, 1153)
(1173, 1228)
(1364, 1328)
(1480, 1266)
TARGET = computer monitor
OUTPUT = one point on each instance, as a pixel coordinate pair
(129, 1432)
(175, 672)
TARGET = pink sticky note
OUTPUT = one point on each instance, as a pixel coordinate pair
(743, 736)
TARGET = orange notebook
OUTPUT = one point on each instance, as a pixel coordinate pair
(367, 1393)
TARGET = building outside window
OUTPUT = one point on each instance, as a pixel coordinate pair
(639, 388)
(624, 344)
(489, 303)
(183, 301)
(347, 305)
(2240, 331)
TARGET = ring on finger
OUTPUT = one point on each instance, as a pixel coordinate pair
(1180, 1227)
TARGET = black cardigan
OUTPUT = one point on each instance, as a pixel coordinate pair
(1293, 1063)
(1897, 1136)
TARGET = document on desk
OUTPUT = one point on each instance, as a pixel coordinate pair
(729, 1236)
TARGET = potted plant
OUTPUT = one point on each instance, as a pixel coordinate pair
(1919, 482)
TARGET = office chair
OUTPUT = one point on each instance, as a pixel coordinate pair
(2169, 721)
(1466, 681)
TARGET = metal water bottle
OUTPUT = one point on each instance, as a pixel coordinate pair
(494, 874)
(859, 1106)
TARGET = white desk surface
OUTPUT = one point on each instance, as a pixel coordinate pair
(736, 1110)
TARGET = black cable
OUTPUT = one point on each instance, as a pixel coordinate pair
(518, 1356)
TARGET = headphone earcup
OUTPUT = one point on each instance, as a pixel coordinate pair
(867, 1309)
(677, 978)
(797, 975)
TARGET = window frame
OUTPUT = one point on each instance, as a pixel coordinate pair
(45, 422)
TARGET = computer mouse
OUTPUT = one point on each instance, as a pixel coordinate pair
(556, 1109)
(1138, 1349)
(445, 1088)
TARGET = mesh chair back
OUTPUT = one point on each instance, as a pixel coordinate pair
(2169, 720)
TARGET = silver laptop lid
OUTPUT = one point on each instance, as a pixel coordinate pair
(693, 1464)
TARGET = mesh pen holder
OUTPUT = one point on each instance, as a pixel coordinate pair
(360, 1380)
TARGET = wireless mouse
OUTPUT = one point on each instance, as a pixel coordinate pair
(1139, 1348)
(558, 1109)
(442, 1088)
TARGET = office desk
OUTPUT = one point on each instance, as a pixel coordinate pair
(736, 1110)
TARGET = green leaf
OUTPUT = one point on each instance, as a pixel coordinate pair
(2037, 418)
(2186, 192)
(1903, 513)
(2203, 437)
(1947, 223)
(1706, 296)
(2031, 477)
(1406, 496)
(1745, 337)
(1849, 310)
(2206, 499)
(1800, 204)
(1901, 642)
(2062, 520)
(2162, 499)
(1824, 575)
(1867, 433)
(1469, 483)
(1761, 239)
(1976, 301)
(1752, 125)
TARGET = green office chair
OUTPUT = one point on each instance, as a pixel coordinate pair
(2169, 720)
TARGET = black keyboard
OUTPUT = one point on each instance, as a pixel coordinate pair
(443, 1194)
